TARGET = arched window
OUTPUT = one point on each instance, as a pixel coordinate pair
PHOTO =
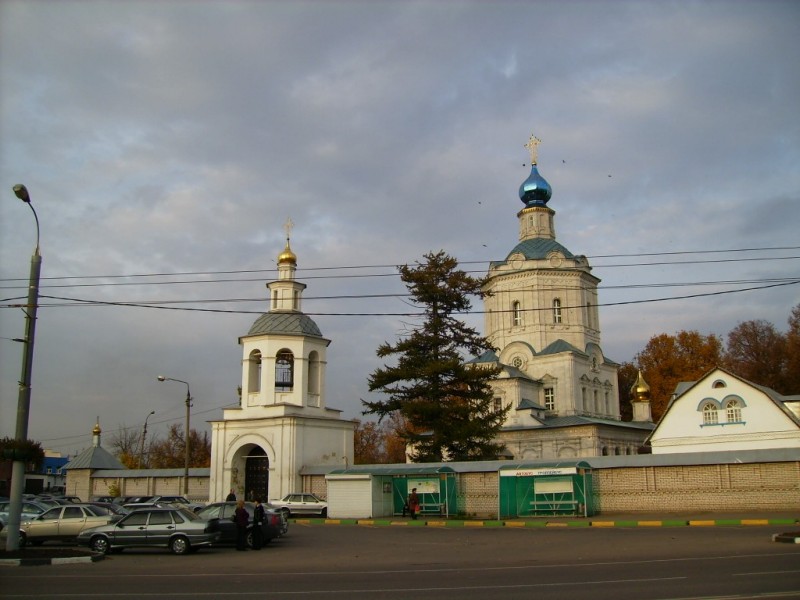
(556, 310)
(734, 411)
(274, 299)
(254, 372)
(284, 370)
(313, 379)
(710, 416)
(517, 311)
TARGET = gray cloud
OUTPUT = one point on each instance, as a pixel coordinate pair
(177, 137)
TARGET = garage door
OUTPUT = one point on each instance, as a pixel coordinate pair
(349, 496)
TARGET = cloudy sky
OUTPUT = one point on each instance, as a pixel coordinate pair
(166, 143)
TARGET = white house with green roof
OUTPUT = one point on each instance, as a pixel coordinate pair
(541, 313)
(282, 422)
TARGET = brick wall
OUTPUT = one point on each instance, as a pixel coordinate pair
(729, 487)
(663, 489)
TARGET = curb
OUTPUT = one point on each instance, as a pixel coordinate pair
(583, 523)
(37, 562)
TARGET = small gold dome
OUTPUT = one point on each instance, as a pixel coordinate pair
(287, 256)
(96, 429)
(640, 390)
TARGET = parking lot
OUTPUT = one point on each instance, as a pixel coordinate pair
(319, 561)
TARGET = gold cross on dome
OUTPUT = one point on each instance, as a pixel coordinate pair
(532, 147)
(287, 227)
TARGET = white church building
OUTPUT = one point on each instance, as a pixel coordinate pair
(541, 312)
(282, 423)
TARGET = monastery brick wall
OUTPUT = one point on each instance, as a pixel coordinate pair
(662, 489)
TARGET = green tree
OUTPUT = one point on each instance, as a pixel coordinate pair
(626, 377)
(447, 404)
(669, 359)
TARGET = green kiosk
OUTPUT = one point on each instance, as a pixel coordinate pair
(542, 490)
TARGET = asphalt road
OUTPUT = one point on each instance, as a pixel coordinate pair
(330, 562)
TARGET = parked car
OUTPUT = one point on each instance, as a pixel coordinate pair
(62, 523)
(178, 529)
(301, 504)
(116, 509)
(179, 501)
(30, 510)
(274, 527)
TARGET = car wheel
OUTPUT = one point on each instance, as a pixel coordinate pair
(23, 539)
(179, 545)
(37, 542)
(249, 538)
(100, 544)
(323, 513)
(286, 512)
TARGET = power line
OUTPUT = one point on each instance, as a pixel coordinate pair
(403, 314)
(392, 266)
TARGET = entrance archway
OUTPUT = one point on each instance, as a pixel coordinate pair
(256, 475)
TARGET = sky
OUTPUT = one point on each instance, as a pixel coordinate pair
(165, 144)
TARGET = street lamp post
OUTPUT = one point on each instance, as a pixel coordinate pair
(24, 401)
(144, 433)
(186, 459)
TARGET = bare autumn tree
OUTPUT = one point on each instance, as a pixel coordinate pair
(757, 352)
(395, 425)
(169, 452)
(669, 359)
(793, 353)
(125, 444)
(368, 443)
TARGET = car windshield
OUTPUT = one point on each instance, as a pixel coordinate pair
(99, 511)
(188, 515)
(53, 513)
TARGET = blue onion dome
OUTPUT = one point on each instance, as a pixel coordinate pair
(535, 191)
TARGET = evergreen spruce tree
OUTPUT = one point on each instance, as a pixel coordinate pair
(446, 403)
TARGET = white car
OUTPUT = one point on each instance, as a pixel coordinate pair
(300, 504)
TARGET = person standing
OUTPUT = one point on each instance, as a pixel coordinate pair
(231, 497)
(258, 523)
(413, 503)
(241, 518)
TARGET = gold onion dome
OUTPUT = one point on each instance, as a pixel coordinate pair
(287, 256)
(96, 429)
(640, 390)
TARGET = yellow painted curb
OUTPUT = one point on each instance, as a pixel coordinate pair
(399, 523)
(649, 523)
(755, 521)
(702, 523)
(302, 521)
(333, 522)
(366, 522)
(437, 523)
(473, 523)
(556, 525)
(603, 524)
(515, 523)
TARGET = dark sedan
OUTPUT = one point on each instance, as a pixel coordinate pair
(275, 525)
(178, 529)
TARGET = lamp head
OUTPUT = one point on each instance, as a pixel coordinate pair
(152, 412)
(161, 378)
(21, 192)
